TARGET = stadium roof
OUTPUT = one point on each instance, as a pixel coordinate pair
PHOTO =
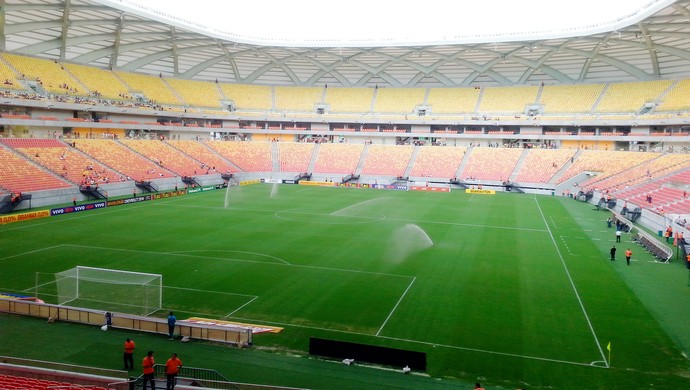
(115, 34)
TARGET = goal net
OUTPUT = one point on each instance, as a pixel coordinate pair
(110, 290)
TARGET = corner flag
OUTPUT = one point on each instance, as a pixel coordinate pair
(609, 348)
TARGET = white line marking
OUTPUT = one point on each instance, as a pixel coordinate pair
(572, 284)
(231, 251)
(30, 252)
(239, 308)
(396, 305)
(282, 324)
(240, 260)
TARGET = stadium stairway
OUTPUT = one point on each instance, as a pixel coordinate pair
(518, 165)
(463, 164)
(556, 177)
(362, 159)
(275, 157)
(314, 155)
(413, 159)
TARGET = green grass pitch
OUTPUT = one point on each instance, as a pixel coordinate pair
(513, 289)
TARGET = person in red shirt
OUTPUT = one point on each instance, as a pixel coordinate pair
(129, 354)
(172, 368)
(148, 364)
(628, 255)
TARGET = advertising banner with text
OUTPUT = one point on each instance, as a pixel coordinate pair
(77, 209)
(24, 216)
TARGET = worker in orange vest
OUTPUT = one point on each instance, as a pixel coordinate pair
(148, 364)
(129, 354)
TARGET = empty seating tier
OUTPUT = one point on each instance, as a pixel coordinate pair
(20, 175)
(294, 157)
(165, 156)
(540, 165)
(102, 83)
(453, 100)
(153, 88)
(248, 156)
(438, 161)
(491, 163)
(398, 100)
(64, 161)
(201, 152)
(631, 97)
(301, 99)
(349, 99)
(507, 99)
(49, 74)
(122, 159)
(338, 158)
(570, 98)
(196, 93)
(605, 162)
(248, 97)
(387, 160)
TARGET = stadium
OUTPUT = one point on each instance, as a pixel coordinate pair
(499, 207)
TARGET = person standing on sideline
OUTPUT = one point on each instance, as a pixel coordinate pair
(171, 325)
(172, 368)
(613, 253)
(628, 255)
(129, 354)
(609, 222)
(618, 235)
(148, 364)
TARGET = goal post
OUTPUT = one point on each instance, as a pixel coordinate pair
(110, 290)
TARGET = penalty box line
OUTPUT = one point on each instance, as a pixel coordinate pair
(572, 284)
(284, 264)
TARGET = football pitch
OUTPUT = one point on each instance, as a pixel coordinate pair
(514, 289)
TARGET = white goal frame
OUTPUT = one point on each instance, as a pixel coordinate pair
(69, 286)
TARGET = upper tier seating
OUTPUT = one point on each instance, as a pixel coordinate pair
(104, 82)
(349, 99)
(154, 88)
(63, 160)
(301, 99)
(196, 93)
(51, 75)
(605, 162)
(453, 100)
(438, 161)
(338, 158)
(201, 152)
(630, 97)
(398, 100)
(491, 163)
(122, 159)
(248, 156)
(570, 98)
(540, 165)
(166, 156)
(20, 175)
(507, 99)
(678, 98)
(248, 97)
(295, 157)
(388, 160)
(8, 77)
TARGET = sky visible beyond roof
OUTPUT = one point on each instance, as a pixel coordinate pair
(431, 21)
